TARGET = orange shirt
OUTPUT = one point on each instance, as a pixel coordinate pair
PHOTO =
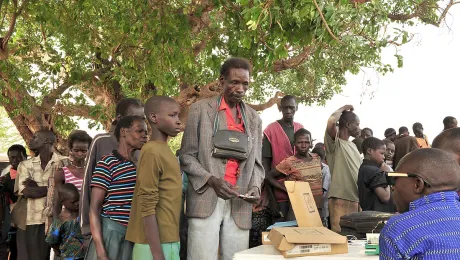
(232, 170)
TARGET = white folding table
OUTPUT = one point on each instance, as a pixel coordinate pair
(269, 252)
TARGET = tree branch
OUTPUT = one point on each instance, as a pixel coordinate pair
(419, 13)
(197, 48)
(12, 22)
(293, 61)
(272, 101)
(445, 12)
(402, 17)
(325, 22)
(74, 110)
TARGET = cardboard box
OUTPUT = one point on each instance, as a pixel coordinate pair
(310, 238)
(297, 241)
(265, 240)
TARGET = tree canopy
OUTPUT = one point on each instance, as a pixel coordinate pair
(64, 59)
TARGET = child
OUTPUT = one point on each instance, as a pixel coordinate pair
(374, 191)
(389, 153)
(303, 166)
(65, 235)
(154, 219)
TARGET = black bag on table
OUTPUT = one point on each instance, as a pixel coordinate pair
(359, 223)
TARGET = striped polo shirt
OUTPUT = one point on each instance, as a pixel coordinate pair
(117, 176)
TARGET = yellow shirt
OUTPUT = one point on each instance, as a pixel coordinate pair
(32, 169)
(158, 192)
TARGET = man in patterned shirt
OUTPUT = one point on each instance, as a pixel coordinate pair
(32, 183)
(425, 194)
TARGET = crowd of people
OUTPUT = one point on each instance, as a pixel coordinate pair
(125, 195)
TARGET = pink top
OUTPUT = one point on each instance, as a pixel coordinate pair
(70, 178)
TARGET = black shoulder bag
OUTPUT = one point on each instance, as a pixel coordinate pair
(229, 144)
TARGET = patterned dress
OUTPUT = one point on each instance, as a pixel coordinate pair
(68, 235)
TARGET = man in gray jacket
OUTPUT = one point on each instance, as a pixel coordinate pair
(218, 217)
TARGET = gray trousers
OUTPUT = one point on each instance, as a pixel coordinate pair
(218, 232)
(116, 246)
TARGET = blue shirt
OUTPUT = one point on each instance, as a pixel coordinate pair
(429, 230)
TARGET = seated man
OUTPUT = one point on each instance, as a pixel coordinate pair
(424, 194)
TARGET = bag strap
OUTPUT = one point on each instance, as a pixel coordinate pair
(216, 119)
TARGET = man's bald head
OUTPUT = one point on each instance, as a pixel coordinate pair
(449, 141)
(437, 167)
(435, 170)
(155, 104)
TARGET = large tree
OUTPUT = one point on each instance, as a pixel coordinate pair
(76, 58)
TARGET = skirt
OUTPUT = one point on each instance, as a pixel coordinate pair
(116, 246)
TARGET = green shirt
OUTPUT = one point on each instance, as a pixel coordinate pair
(267, 146)
(344, 161)
(158, 192)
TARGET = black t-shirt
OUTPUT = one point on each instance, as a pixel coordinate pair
(370, 177)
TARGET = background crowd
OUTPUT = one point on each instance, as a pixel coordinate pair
(125, 195)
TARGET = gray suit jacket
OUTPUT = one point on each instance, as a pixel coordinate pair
(197, 162)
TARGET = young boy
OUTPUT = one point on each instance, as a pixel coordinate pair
(389, 152)
(65, 235)
(374, 192)
(154, 219)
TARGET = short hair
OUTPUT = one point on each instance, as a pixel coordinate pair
(387, 142)
(403, 130)
(288, 97)
(125, 104)
(389, 132)
(48, 134)
(448, 140)
(79, 136)
(347, 117)
(300, 132)
(18, 148)
(319, 144)
(448, 120)
(415, 125)
(371, 143)
(437, 167)
(368, 129)
(126, 122)
(154, 103)
(234, 63)
(67, 190)
(320, 152)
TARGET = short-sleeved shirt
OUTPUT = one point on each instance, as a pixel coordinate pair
(67, 235)
(371, 177)
(31, 168)
(344, 161)
(117, 176)
(158, 192)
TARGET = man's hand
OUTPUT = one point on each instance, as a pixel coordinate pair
(384, 167)
(30, 183)
(255, 195)
(222, 188)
